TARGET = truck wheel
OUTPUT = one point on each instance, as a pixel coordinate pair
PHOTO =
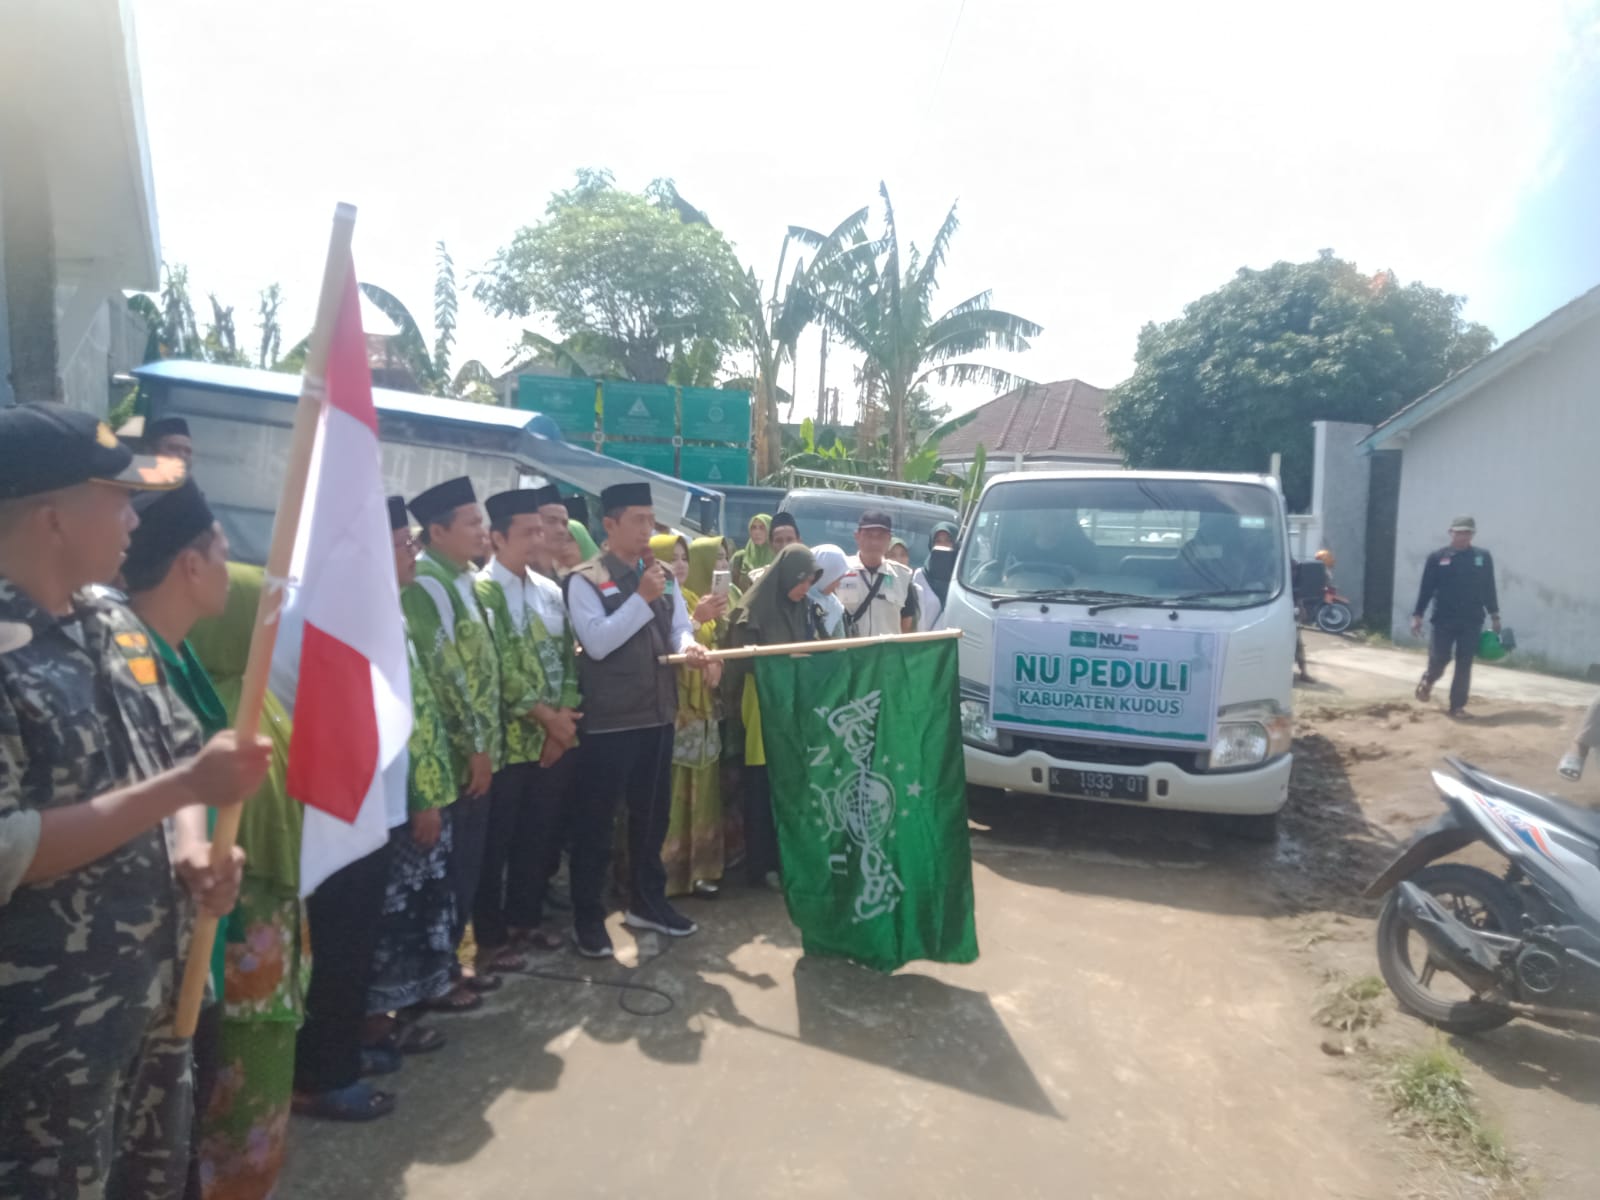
(1252, 827)
(1474, 897)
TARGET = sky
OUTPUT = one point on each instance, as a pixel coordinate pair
(1111, 163)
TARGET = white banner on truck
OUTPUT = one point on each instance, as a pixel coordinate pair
(1116, 683)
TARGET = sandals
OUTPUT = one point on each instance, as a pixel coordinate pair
(503, 960)
(539, 941)
(379, 1060)
(358, 1102)
(481, 983)
(409, 1037)
(1571, 765)
(457, 1000)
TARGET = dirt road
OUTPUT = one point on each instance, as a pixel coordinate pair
(1139, 1025)
(1365, 748)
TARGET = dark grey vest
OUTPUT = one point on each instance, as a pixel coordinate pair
(629, 688)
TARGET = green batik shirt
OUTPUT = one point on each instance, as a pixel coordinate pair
(557, 645)
(522, 682)
(430, 782)
(447, 621)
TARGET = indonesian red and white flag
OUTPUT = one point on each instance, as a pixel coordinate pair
(352, 707)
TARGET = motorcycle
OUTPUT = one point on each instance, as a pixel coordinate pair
(1522, 944)
(1331, 613)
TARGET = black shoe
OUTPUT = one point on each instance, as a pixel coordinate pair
(662, 918)
(591, 939)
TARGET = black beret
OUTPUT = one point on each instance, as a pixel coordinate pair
(397, 513)
(443, 499)
(44, 447)
(548, 494)
(168, 521)
(154, 431)
(577, 509)
(626, 495)
(784, 518)
(503, 506)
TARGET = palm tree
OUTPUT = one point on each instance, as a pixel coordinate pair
(885, 312)
(777, 322)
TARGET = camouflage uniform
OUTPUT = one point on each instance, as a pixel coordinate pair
(94, 1085)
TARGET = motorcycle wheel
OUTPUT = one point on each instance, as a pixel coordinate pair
(1474, 897)
(1334, 617)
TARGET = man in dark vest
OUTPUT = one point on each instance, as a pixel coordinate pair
(626, 616)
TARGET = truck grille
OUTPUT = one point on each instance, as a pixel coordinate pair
(1101, 752)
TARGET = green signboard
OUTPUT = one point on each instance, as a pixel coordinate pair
(716, 415)
(653, 456)
(644, 410)
(569, 402)
(715, 465)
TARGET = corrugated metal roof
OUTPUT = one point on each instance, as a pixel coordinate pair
(1050, 420)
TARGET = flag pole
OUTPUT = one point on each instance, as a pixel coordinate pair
(931, 635)
(279, 556)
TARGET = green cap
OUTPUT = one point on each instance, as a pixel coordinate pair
(1463, 525)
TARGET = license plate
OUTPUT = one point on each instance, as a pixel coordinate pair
(1098, 785)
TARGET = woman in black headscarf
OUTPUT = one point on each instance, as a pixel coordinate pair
(775, 611)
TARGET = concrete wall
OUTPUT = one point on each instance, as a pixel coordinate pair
(1522, 455)
(1340, 484)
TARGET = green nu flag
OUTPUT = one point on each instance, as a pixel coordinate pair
(864, 754)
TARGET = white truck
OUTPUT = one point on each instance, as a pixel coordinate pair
(1129, 637)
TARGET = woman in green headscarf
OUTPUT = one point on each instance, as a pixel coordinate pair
(774, 612)
(757, 553)
(694, 852)
(245, 1129)
(580, 535)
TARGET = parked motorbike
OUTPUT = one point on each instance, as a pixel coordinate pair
(1467, 950)
(1331, 613)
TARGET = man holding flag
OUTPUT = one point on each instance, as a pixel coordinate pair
(98, 766)
(446, 616)
(351, 708)
(626, 620)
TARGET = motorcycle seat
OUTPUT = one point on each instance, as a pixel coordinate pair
(1585, 822)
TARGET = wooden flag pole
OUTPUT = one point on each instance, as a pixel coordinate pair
(279, 556)
(935, 635)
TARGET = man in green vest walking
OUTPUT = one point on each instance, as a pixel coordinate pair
(446, 617)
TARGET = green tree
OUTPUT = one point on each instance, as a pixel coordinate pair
(882, 308)
(408, 351)
(1247, 368)
(640, 277)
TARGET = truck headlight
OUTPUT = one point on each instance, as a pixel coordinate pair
(975, 726)
(1249, 734)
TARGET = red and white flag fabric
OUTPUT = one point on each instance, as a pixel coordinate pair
(352, 707)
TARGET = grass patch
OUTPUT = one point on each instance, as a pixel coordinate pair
(1354, 1006)
(1433, 1100)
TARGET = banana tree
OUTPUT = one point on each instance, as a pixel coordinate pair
(883, 309)
(777, 321)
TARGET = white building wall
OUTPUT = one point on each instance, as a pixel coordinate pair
(1522, 455)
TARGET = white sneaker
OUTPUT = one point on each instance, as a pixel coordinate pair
(1571, 765)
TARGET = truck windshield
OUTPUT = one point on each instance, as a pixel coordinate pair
(1182, 541)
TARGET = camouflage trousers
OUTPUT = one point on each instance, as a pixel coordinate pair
(116, 1128)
